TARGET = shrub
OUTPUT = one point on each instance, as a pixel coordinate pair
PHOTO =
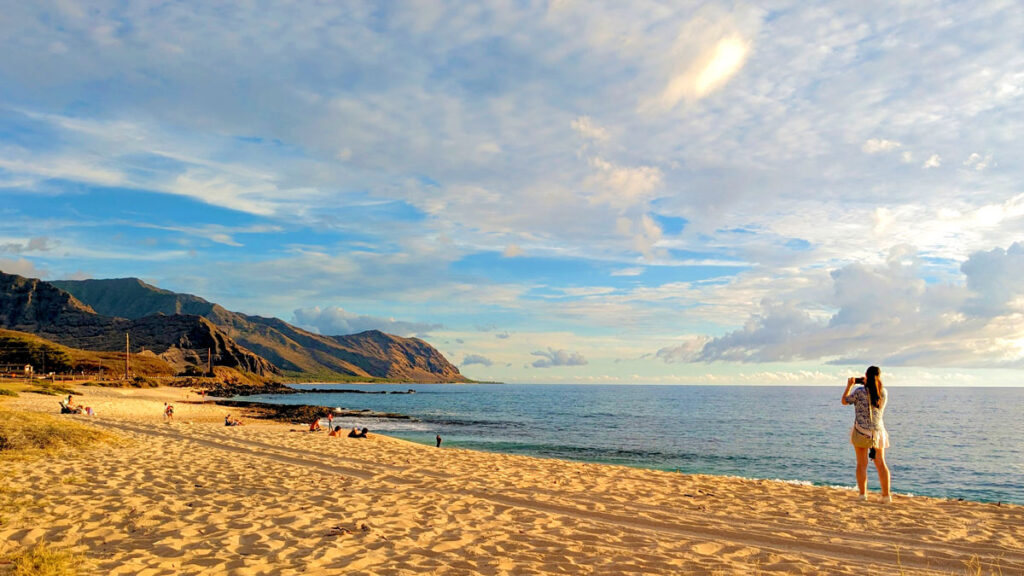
(43, 560)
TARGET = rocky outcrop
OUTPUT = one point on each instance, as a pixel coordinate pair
(396, 357)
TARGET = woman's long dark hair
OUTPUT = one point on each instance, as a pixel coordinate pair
(873, 382)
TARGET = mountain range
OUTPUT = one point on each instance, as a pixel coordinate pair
(185, 330)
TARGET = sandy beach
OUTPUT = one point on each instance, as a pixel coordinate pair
(192, 496)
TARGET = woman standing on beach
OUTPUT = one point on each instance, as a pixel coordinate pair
(868, 431)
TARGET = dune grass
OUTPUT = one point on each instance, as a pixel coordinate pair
(51, 388)
(30, 434)
(42, 560)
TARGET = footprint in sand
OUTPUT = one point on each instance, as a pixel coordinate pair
(707, 548)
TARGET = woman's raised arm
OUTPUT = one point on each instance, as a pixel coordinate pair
(849, 384)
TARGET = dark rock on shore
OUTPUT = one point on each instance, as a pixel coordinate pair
(303, 413)
(224, 389)
(350, 391)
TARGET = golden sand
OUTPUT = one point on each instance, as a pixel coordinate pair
(195, 497)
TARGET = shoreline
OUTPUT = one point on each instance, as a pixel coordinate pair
(426, 439)
(192, 496)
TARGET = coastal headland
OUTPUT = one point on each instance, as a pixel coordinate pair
(191, 496)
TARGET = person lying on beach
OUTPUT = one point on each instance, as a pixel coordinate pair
(315, 426)
(356, 433)
(229, 421)
(336, 431)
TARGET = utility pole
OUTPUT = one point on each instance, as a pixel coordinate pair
(127, 356)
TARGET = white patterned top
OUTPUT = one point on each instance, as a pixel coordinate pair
(861, 400)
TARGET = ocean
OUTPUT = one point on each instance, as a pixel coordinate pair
(946, 442)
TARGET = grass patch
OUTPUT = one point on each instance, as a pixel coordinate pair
(51, 388)
(6, 392)
(27, 433)
(14, 506)
(43, 560)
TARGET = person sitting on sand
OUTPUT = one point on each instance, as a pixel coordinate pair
(67, 409)
(315, 426)
(354, 433)
(336, 431)
(868, 436)
(363, 433)
(229, 421)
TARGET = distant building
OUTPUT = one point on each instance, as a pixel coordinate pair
(17, 369)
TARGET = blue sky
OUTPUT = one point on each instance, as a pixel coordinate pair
(664, 192)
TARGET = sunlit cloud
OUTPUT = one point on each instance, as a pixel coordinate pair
(725, 61)
(710, 72)
(876, 145)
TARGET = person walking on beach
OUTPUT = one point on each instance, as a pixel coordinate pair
(438, 440)
(868, 435)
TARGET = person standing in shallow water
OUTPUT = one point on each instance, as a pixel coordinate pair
(868, 433)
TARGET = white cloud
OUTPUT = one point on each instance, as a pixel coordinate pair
(470, 359)
(689, 351)
(933, 161)
(709, 72)
(877, 145)
(587, 128)
(621, 186)
(977, 161)
(889, 315)
(883, 220)
(512, 251)
(34, 244)
(995, 280)
(22, 267)
(335, 321)
(552, 357)
(632, 271)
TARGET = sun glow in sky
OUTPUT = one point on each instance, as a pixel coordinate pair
(724, 192)
(726, 60)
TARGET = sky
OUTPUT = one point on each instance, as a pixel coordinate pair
(547, 192)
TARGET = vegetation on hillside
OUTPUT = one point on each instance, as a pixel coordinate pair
(19, 349)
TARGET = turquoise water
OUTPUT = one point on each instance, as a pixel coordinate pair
(952, 443)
